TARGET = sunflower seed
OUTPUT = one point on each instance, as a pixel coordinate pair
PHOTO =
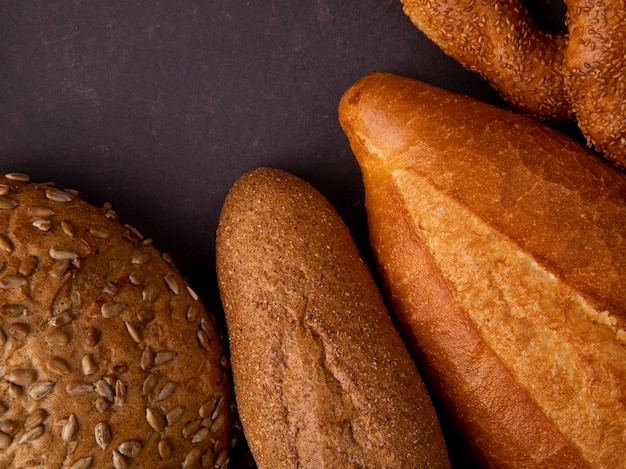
(6, 244)
(147, 358)
(68, 228)
(35, 418)
(201, 434)
(58, 338)
(174, 415)
(150, 292)
(21, 377)
(69, 431)
(7, 204)
(120, 392)
(60, 320)
(165, 448)
(136, 277)
(19, 331)
(4, 189)
(145, 316)
(9, 427)
(83, 463)
(19, 177)
(191, 428)
(5, 440)
(192, 458)
(102, 434)
(40, 212)
(203, 340)
(89, 365)
(171, 284)
(133, 233)
(218, 423)
(41, 389)
(119, 462)
(166, 257)
(206, 409)
(130, 449)
(14, 391)
(79, 388)
(11, 281)
(59, 268)
(193, 313)
(155, 419)
(225, 362)
(42, 224)
(100, 232)
(32, 434)
(27, 266)
(13, 310)
(93, 336)
(166, 391)
(61, 253)
(58, 366)
(219, 408)
(222, 460)
(192, 293)
(101, 404)
(104, 389)
(163, 357)
(133, 331)
(139, 257)
(150, 383)
(112, 309)
(58, 195)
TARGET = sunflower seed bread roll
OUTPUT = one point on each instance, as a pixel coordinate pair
(108, 358)
(501, 245)
(322, 378)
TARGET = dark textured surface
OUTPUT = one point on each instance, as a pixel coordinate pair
(158, 107)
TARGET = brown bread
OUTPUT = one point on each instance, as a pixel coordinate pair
(107, 353)
(502, 246)
(322, 378)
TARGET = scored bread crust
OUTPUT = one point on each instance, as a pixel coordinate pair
(501, 245)
(322, 378)
(109, 358)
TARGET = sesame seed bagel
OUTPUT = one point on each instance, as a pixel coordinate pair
(500, 41)
(595, 73)
(109, 358)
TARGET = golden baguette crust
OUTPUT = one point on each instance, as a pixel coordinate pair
(501, 245)
(322, 378)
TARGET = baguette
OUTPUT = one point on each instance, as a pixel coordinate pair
(322, 378)
(501, 245)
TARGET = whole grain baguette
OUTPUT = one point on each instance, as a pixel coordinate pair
(501, 245)
(322, 378)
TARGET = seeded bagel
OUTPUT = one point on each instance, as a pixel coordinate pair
(109, 358)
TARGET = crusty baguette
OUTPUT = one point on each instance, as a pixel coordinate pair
(322, 378)
(501, 244)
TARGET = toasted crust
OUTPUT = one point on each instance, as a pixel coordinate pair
(500, 243)
(322, 378)
(101, 363)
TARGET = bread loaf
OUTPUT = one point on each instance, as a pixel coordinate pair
(501, 245)
(322, 378)
(109, 358)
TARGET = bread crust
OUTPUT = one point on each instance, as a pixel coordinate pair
(459, 196)
(322, 378)
(101, 362)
